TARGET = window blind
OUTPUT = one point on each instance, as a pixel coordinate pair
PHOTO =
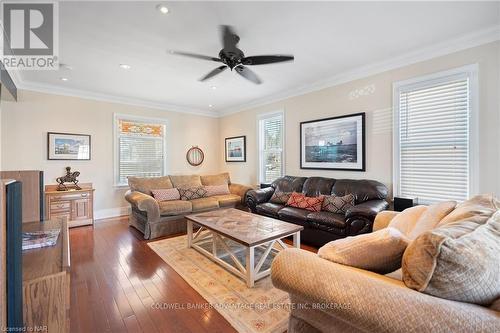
(140, 150)
(434, 141)
(271, 148)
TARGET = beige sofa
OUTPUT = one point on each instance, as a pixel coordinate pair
(330, 297)
(155, 219)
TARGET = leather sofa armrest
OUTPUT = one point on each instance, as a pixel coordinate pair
(145, 203)
(383, 219)
(371, 302)
(240, 190)
(368, 209)
(255, 197)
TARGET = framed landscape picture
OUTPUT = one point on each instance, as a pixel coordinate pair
(67, 146)
(236, 149)
(336, 143)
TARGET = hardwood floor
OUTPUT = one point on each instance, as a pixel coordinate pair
(116, 279)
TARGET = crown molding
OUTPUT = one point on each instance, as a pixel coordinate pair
(456, 44)
(57, 90)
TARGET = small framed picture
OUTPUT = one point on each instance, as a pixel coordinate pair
(68, 146)
(236, 149)
(336, 143)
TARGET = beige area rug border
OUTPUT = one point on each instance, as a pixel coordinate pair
(237, 324)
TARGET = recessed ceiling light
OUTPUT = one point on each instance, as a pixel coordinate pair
(214, 87)
(210, 105)
(162, 8)
(64, 79)
(125, 66)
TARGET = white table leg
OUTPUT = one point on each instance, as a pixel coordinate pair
(189, 233)
(296, 240)
(250, 266)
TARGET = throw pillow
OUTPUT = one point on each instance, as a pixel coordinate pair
(280, 197)
(299, 200)
(166, 194)
(380, 251)
(338, 205)
(459, 260)
(191, 193)
(216, 190)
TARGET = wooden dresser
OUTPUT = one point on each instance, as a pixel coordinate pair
(46, 281)
(76, 205)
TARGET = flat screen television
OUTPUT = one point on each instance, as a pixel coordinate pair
(14, 256)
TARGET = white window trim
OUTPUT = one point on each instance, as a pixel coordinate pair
(263, 116)
(116, 118)
(471, 71)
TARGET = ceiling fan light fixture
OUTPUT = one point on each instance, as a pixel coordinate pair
(162, 9)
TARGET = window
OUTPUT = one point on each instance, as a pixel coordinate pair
(139, 148)
(271, 136)
(432, 137)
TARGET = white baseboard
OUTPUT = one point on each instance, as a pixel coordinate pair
(111, 212)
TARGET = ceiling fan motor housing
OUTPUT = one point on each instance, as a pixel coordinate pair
(231, 58)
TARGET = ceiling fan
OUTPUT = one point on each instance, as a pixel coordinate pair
(233, 58)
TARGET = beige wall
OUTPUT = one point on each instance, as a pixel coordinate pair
(335, 101)
(25, 125)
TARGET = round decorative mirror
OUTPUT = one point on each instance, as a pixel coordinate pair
(195, 156)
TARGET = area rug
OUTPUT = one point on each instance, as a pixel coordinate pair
(262, 308)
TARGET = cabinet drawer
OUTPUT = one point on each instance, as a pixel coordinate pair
(60, 205)
(69, 196)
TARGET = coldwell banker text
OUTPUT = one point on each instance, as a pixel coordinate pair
(30, 35)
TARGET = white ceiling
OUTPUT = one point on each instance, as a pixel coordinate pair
(327, 39)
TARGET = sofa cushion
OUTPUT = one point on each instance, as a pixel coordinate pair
(202, 204)
(380, 251)
(327, 219)
(293, 214)
(431, 217)
(407, 219)
(459, 260)
(216, 190)
(269, 208)
(220, 179)
(289, 184)
(227, 200)
(362, 189)
(174, 207)
(185, 180)
(316, 186)
(335, 204)
(146, 184)
(166, 194)
(280, 197)
(299, 200)
(190, 193)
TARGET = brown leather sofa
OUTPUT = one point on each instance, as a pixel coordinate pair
(322, 227)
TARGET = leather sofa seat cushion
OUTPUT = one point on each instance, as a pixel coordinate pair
(362, 189)
(380, 251)
(202, 204)
(269, 208)
(316, 186)
(459, 260)
(220, 179)
(293, 214)
(327, 219)
(186, 180)
(146, 184)
(174, 207)
(227, 200)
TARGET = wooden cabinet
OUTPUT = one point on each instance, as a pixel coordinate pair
(75, 205)
(46, 281)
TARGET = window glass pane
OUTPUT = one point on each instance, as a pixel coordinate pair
(271, 148)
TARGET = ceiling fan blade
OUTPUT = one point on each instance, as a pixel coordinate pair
(248, 74)
(214, 72)
(266, 59)
(229, 37)
(197, 56)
